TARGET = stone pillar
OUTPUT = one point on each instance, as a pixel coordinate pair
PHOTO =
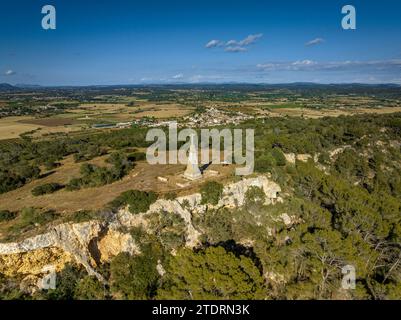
(192, 172)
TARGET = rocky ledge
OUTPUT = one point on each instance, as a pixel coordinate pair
(90, 243)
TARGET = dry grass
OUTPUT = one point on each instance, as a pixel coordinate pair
(143, 177)
(121, 112)
(13, 127)
(314, 113)
(10, 127)
(50, 122)
(76, 119)
(162, 111)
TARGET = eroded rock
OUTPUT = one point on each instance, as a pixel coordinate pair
(115, 242)
(94, 242)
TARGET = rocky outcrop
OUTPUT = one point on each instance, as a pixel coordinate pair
(234, 194)
(292, 157)
(335, 152)
(233, 197)
(115, 242)
(94, 242)
(73, 239)
(33, 262)
(304, 157)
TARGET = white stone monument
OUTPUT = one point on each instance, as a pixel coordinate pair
(192, 172)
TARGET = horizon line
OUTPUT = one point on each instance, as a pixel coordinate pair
(27, 85)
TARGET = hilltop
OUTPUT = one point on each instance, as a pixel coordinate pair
(6, 87)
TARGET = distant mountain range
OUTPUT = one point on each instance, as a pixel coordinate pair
(9, 87)
(27, 86)
(4, 87)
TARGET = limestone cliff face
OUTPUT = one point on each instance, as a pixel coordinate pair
(93, 242)
(233, 196)
(33, 262)
(72, 239)
(115, 242)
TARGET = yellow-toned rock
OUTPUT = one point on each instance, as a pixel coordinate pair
(33, 262)
(115, 242)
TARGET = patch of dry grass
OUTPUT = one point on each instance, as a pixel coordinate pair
(315, 113)
(143, 177)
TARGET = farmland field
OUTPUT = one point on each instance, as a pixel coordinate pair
(13, 127)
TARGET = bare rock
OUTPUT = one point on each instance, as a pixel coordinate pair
(93, 242)
(115, 242)
(290, 157)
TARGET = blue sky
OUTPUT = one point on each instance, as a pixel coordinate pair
(131, 42)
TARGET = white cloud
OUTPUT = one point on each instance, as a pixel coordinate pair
(234, 45)
(250, 39)
(231, 43)
(212, 44)
(303, 63)
(9, 73)
(235, 49)
(266, 66)
(310, 65)
(178, 76)
(197, 78)
(314, 42)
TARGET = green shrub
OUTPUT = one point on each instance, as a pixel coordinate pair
(169, 228)
(212, 273)
(278, 157)
(137, 156)
(67, 281)
(30, 218)
(170, 196)
(28, 172)
(17, 177)
(46, 189)
(218, 225)
(9, 288)
(82, 216)
(255, 196)
(94, 176)
(49, 165)
(74, 184)
(133, 277)
(89, 288)
(115, 157)
(324, 158)
(6, 215)
(89, 152)
(211, 192)
(10, 181)
(264, 163)
(138, 201)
